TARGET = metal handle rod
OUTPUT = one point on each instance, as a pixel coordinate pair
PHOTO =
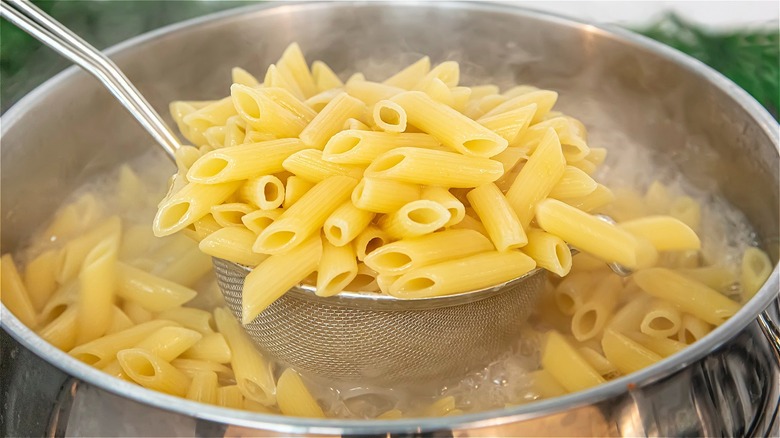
(47, 30)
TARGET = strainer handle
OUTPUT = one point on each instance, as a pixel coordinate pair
(768, 321)
(50, 32)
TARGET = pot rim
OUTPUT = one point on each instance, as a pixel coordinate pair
(289, 425)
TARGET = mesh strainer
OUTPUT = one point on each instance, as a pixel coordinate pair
(374, 337)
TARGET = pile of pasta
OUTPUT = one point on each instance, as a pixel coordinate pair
(414, 187)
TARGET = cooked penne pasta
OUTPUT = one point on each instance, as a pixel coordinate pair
(294, 190)
(410, 75)
(97, 285)
(305, 217)
(259, 220)
(294, 398)
(692, 329)
(212, 347)
(344, 224)
(277, 79)
(190, 367)
(366, 280)
(230, 396)
(470, 223)
(272, 110)
(266, 192)
(14, 294)
(62, 330)
(690, 296)
(244, 161)
(597, 361)
(252, 372)
(214, 114)
(371, 92)
(664, 233)
(511, 123)
(756, 269)
(592, 316)
(573, 184)
(336, 270)
(324, 77)
(233, 244)
(230, 214)
(119, 321)
(151, 372)
(362, 147)
(663, 347)
(544, 100)
(449, 126)
(454, 276)
(188, 205)
(498, 217)
(240, 76)
(293, 64)
(369, 240)
(594, 201)
(383, 195)
(662, 320)
(309, 165)
(71, 256)
(718, 277)
(189, 317)
(627, 355)
(150, 291)
(687, 210)
(203, 387)
(205, 226)
(101, 351)
(572, 293)
(137, 313)
(404, 255)
(447, 200)
(319, 101)
(330, 120)
(389, 116)
(415, 219)
(550, 252)
(566, 365)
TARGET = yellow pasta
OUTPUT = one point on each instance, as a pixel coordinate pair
(498, 217)
(252, 372)
(61, 331)
(294, 190)
(572, 293)
(389, 116)
(330, 120)
(566, 365)
(72, 255)
(119, 321)
(272, 110)
(447, 200)
(293, 64)
(151, 372)
(592, 316)
(264, 284)
(371, 92)
(188, 205)
(344, 224)
(233, 244)
(544, 100)
(686, 210)
(14, 295)
(277, 79)
(627, 355)
(470, 223)
(240, 76)
(266, 192)
(309, 165)
(230, 214)
(244, 161)
(362, 147)
(664, 233)
(383, 195)
(549, 251)
(756, 269)
(137, 313)
(294, 398)
(203, 387)
(101, 351)
(511, 123)
(662, 320)
(689, 295)
(404, 255)
(259, 220)
(544, 384)
(454, 276)
(415, 219)
(98, 283)
(319, 101)
(692, 329)
(435, 168)
(663, 347)
(212, 347)
(594, 201)
(718, 277)
(449, 126)
(190, 367)
(587, 233)
(324, 77)
(189, 317)
(230, 397)
(201, 119)
(411, 75)
(205, 226)
(597, 361)
(537, 178)
(369, 240)
(305, 217)
(336, 270)
(573, 184)
(150, 291)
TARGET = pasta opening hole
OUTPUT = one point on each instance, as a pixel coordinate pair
(357, 193)
(360, 282)
(587, 324)
(229, 217)
(335, 232)
(88, 358)
(565, 303)
(687, 337)
(480, 146)
(247, 105)
(254, 390)
(389, 116)
(373, 244)
(393, 260)
(54, 313)
(279, 239)
(174, 214)
(573, 152)
(661, 324)
(141, 366)
(271, 192)
(344, 145)
(387, 162)
(209, 169)
(563, 254)
(423, 216)
(259, 224)
(339, 281)
(417, 284)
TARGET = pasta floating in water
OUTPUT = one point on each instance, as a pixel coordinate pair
(416, 186)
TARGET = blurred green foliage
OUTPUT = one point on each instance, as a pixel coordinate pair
(748, 57)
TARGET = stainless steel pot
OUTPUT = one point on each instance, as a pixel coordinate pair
(624, 87)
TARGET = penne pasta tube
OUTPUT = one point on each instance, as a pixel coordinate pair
(244, 161)
(277, 79)
(190, 367)
(330, 120)
(470, 223)
(252, 372)
(415, 219)
(588, 233)
(389, 116)
(572, 293)
(294, 190)
(305, 217)
(151, 372)
(355, 125)
(319, 101)
(510, 159)
(188, 205)
(102, 351)
(211, 347)
(259, 220)
(366, 280)
(371, 92)
(336, 270)
(71, 256)
(272, 110)
(119, 321)
(434, 168)
(230, 214)
(448, 72)
(410, 75)
(362, 147)
(40, 278)
(240, 76)
(384, 196)
(627, 355)
(344, 224)
(717, 277)
(263, 285)
(168, 343)
(449, 126)
(544, 384)
(137, 313)
(309, 165)
(665, 233)
(61, 331)
(293, 64)
(549, 251)
(662, 320)
(14, 295)
(544, 100)
(692, 329)
(455, 276)
(629, 317)
(573, 184)
(188, 268)
(498, 217)
(755, 270)
(597, 361)
(536, 179)
(266, 192)
(324, 77)
(189, 317)
(437, 90)
(687, 210)
(592, 316)
(594, 201)
(203, 387)
(566, 365)
(663, 347)
(205, 226)
(294, 398)
(98, 282)
(404, 255)
(230, 397)
(447, 200)
(511, 123)
(233, 244)
(150, 291)
(688, 295)
(213, 114)
(369, 240)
